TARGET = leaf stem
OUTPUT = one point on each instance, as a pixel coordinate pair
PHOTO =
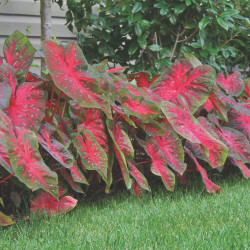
(52, 96)
(139, 163)
(232, 37)
(6, 178)
(56, 107)
(64, 106)
(175, 44)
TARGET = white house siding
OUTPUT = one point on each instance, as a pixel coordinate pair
(21, 14)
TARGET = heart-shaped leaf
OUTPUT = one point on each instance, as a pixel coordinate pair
(239, 146)
(57, 150)
(77, 174)
(44, 202)
(185, 124)
(74, 185)
(171, 147)
(122, 146)
(243, 168)
(216, 105)
(18, 52)
(138, 106)
(159, 164)
(92, 120)
(193, 85)
(68, 69)
(28, 164)
(233, 84)
(239, 122)
(210, 186)
(27, 107)
(92, 154)
(139, 177)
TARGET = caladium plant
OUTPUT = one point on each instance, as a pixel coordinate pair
(87, 127)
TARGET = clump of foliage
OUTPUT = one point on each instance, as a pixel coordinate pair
(150, 34)
(83, 127)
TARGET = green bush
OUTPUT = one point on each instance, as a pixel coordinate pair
(149, 35)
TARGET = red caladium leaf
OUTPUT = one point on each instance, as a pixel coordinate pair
(77, 174)
(8, 76)
(92, 120)
(187, 126)
(208, 105)
(153, 97)
(57, 150)
(4, 95)
(196, 149)
(116, 132)
(68, 69)
(27, 108)
(171, 147)
(139, 177)
(245, 171)
(32, 77)
(4, 162)
(74, 185)
(6, 130)
(138, 106)
(142, 79)
(27, 162)
(116, 70)
(136, 188)
(210, 186)
(213, 119)
(1, 61)
(92, 154)
(64, 128)
(194, 85)
(18, 52)
(123, 113)
(240, 122)
(159, 164)
(105, 80)
(243, 108)
(209, 127)
(239, 146)
(45, 202)
(152, 128)
(5, 220)
(27, 103)
(247, 86)
(233, 84)
(217, 105)
(123, 141)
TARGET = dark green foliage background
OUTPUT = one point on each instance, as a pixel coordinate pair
(149, 35)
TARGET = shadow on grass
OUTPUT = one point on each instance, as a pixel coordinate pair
(195, 188)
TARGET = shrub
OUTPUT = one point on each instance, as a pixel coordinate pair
(83, 125)
(151, 34)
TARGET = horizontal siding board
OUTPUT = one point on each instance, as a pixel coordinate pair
(8, 25)
(29, 7)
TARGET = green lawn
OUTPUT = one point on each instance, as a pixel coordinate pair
(187, 219)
